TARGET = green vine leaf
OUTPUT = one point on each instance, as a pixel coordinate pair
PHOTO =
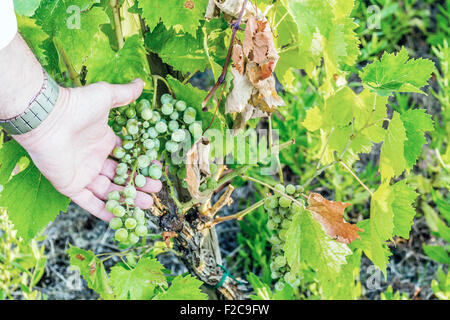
(183, 288)
(396, 73)
(26, 7)
(138, 283)
(187, 17)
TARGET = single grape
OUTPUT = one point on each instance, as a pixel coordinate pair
(111, 204)
(121, 169)
(119, 211)
(130, 112)
(119, 180)
(152, 132)
(271, 225)
(144, 172)
(279, 286)
(121, 235)
(146, 125)
(191, 111)
(140, 181)
(171, 146)
(115, 223)
(121, 120)
(116, 127)
(290, 277)
(146, 114)
(280, 261)
(127, 158)
(141, 231)
(276, 219)
(179, 135)
(114, 195)
(157, 144)
(188, 119)
(143, 161)
(274, 239)
(133, 238)
(132, 129)
(167, 109)
(119, 152)
(195, 129)
(271, 203)
(130, 223)
(280, 188)
(166, 98)
(290, 189)
(152, 154)
(174, 115)
(155, 172)
(173, 125)
(275, 275)
(138, 213)
(284, 202)
(129, 201)
(161, 127)
(149, 144)
(282, 234)
(285, 224)
(130, 191)
(180, 105)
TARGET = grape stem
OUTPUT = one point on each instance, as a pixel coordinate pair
(356, 177)
(236, 26)
(239, 215)
(115, 7)
(74, 76)
(165, 82)
(277, 156)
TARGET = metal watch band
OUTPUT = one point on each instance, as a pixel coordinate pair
(38, 110)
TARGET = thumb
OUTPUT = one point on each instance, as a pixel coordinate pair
(123, 94)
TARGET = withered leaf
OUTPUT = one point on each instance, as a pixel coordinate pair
(330, 214)
(197, 165)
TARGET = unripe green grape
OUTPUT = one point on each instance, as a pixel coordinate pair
(290, 278)
(188, 119)
(275, 275)
(141, 231)
(133, 238)
(280, 188)
(191, 111)
(274, 239)
(173, 125)
(121, 169)
(290, 189)
(132, 122)
(152, 132)
(114, 195)
(130, 112)
(143, 161)
(111, 204)
(155, 172)
(121, 120)
(152, 154)
(138, 213)
(129, 201)
(144, 172)
(279, 286)
(180, 105)
(202, 187)
(146, 125)
(284, 202)
(276, 219)
(130, 191)
(166, 98)
(174, 115)
(119, 211)
(119, 180)
(121, 235)
(171, 146)
(277, 249)
(271, 225)
(115, 223)
(132, 129)
(146, 114)
(280, 261)
(144, 103)
(167, 109)
(119, 152)
(155, 117)
(271, 203)
(130, 223)
(178, 135)
(282, 234)
(157, 144)
(296, 208)
(161, 127)
(117, 127)
(285, 224)
(140, 181)
(149, 144)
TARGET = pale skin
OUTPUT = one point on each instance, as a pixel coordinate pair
(71, 147)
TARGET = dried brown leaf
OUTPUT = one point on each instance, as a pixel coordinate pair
(197, 165)
(330, 214)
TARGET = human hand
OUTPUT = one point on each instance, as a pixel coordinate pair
(72, 145)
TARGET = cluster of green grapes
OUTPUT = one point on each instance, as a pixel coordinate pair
(143, 130)
(280, 211)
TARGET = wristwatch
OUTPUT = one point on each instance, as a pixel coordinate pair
(38, 109)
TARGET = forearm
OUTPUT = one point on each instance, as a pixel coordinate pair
(21, 78)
